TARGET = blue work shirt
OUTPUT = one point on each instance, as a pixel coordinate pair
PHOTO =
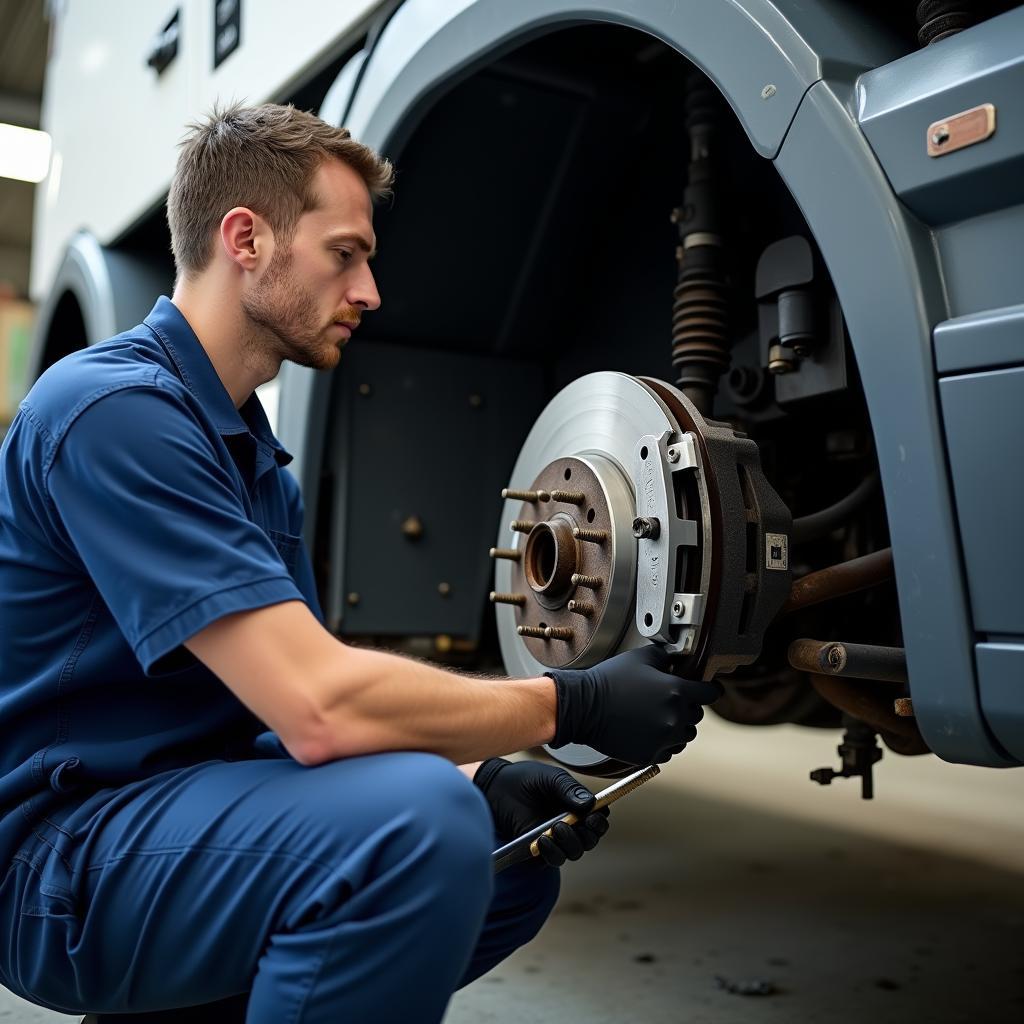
(137, 505)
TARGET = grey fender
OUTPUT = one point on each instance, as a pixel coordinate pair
(885, 269)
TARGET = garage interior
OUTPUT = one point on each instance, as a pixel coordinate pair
(553, 179)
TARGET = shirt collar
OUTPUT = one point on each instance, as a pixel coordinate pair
(200, 377)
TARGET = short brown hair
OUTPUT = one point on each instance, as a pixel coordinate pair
(261, 157)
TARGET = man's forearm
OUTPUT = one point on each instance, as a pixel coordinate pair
(377, 701)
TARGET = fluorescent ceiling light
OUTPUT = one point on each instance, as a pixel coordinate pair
(24, 153)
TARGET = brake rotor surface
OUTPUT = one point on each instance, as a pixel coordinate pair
(565, 589)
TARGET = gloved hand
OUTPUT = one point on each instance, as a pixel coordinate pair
(630, 707)
(524, 794)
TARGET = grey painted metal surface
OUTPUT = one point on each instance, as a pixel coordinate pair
(1001, 680)
(429, 45)
(989, 339)
(984, 418)
(896, 104)
(884, 267)
(429, 435)
(982, 259)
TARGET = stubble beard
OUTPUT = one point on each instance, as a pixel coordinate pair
(283, 322)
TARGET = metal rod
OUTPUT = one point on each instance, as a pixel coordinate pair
(590, 536)
(519, 599)
(532, 631)
(590, 582)
(510, 553)
(584, 608)
(531, 496)
(854, 661)
(520, 848)
(840, 580)
(558, 633)
(521, 526)
(569, 497)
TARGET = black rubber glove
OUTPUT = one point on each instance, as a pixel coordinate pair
(524, 794)
(630, 707)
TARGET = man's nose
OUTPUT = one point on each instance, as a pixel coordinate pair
(364, 292)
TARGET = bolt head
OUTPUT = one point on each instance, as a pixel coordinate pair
(768, 91)
(353, 599)
(939, 136)
(444, 589)
(673, 455)
(677, 609)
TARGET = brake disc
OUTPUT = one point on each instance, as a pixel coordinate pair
(630, 519)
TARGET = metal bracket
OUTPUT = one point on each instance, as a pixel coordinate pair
(662, 613)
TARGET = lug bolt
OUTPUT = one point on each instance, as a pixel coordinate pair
(584, 608)
(510, 553)
(590, 582)
(646, 526)
(532, 631)
(519, 599)
(521, 525)
(590, 536)
(531, 496)
(558, 633)
(569, 497)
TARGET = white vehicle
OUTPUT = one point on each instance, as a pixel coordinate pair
(630, 238)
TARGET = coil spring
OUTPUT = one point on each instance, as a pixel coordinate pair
(700, 338)
(938, 19)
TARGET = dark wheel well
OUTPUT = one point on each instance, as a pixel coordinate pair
(66, 331)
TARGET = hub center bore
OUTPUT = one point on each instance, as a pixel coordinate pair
(550, 559)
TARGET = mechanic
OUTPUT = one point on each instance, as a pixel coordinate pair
(207, 799)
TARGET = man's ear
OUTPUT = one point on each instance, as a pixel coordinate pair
(243, 237)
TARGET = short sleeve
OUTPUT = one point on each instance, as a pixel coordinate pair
(158, 523)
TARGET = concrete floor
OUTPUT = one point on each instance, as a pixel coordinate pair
(732, 865)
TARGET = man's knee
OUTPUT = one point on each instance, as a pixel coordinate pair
(411, 811)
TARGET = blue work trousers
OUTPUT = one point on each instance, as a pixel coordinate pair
(356, 892)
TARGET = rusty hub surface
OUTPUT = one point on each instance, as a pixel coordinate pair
(552, 556)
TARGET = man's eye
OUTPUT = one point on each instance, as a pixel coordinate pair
(344, 255)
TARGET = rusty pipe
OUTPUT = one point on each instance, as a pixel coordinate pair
(840, 580)
(852, 661)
